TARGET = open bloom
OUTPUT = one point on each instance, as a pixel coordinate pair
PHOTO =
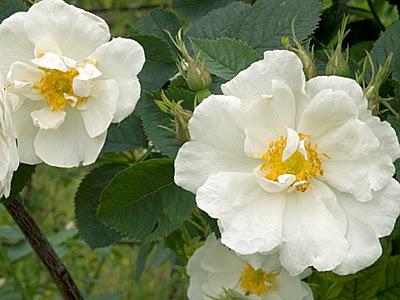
(299, 167)
(214, 269)
(9, 160)
(71, 80)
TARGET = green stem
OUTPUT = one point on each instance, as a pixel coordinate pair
(375, 15)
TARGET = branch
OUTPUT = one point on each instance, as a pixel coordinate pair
(43, 249)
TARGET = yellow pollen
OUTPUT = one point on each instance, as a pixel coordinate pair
(256, 281)
(55, 85)
(303, 168)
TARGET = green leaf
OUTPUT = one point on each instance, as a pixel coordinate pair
(87, 199)
(191, 10)
(160, 63)
(390, 289)
(20, 179)
(155, 121)
(125, 136)
(262, 25)
(144, 252)
(388, 43)
(140, 197)
(158, 22)
(225, 57)
(131, 204)
(9, 7)
(178, 206)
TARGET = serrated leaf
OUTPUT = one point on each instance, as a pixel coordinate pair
(225, 57)
(178, 205)
(9, 7)
(140, 197)
(155, 121)
(160, 63)
(390, 289)
(191, 10)
(388, 43)
(366, 283)
(125, 136)
(131, 203)
(158, 22)
(262, 25)
(87, 199)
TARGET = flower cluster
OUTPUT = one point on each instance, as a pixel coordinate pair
(300, 169)
(298, 173)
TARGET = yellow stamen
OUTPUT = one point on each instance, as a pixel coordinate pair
(303, 168)
(256, 281)
(55, 85)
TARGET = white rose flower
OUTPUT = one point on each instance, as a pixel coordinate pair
(9, 160)
(72, 81)
(214, 269)
(297, 166)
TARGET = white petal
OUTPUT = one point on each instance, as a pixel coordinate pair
(364, 250)
(69, 145)
(251, 219)
(217, 143)
(273, 112)
(289, 287)
(212, 268)
(81, 88)
(51, 61)
(356, 164)
(22, 78)
(336, 83)
(197, 161)
(88, 72)
(312, 234)
(46, 44)
(129, 94)
(292, 144)
(385, 133)
(271, 186)
(256, 142)
(327, 110)
(26, 131)
(14, 44)
(76, 32)
(218, 121)
(256, 80)
(47, 119)
(120, 59)
(380, 213)
(98, 116)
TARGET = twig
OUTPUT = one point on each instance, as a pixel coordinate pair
(375, 15)
(43, 249)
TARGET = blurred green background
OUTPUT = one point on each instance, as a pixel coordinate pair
(104, 274)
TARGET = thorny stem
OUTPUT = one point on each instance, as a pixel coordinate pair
(43, 249)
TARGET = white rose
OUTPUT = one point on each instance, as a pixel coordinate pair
(9, 160)
(214, 268)
(72, 82)
(294, 166)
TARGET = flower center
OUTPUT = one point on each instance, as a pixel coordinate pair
(304, 163)
(56, 87)
(256, 281)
